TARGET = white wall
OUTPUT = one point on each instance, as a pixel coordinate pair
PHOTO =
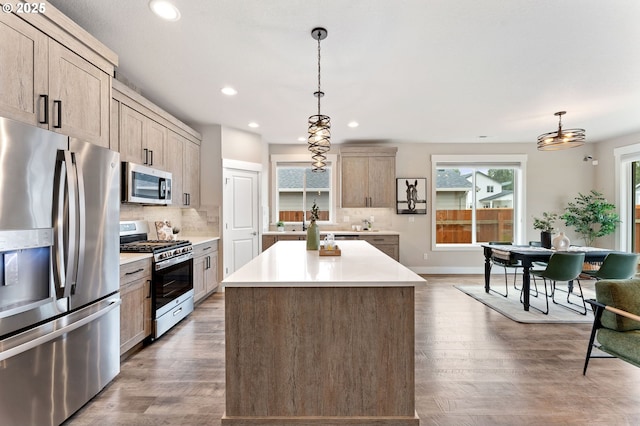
(241, 145)
(553, 179)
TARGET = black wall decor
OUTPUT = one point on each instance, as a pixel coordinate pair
(411, 196)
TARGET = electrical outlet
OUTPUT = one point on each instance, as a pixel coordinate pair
(345, 219)
(371, 219)
(425, 256)
(411, 219)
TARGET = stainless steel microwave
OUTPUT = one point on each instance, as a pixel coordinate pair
(145, 185)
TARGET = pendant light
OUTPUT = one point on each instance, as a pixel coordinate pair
(561, 139)
(319, 125)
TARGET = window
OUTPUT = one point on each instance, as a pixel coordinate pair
(296, 187)
(628, 197)
(477, 201)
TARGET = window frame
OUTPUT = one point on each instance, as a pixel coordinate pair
(297, 160)
(518, 162)
(624, 158)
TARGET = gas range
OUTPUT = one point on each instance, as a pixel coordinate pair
(133, 239)
(162, 250)
(172, 276)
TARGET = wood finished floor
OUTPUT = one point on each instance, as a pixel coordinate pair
(473, 367)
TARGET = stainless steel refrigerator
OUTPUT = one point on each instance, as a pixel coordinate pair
(59, 273)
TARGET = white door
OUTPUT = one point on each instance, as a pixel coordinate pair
(241, 203)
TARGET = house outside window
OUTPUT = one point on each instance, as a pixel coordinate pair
(477, 201)
(296, 187)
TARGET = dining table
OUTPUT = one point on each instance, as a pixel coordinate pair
(527, 255)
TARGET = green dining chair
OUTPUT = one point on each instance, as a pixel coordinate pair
(562, 267)
(507, 265)
(616, 266)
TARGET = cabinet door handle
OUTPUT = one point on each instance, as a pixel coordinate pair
(151, 157)
(58, 124)
(149, 293)
(146, 156)
(188, 199)
(208, 262)
(134, 272)
(45, 120)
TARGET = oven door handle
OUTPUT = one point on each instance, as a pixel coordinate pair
(173, 261)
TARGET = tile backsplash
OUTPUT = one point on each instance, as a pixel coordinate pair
(346, 217)
(204, 221)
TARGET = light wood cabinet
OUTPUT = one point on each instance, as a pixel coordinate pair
(388, 244)
(148, 135)
(368, 176)
(142, 140)
(183, 161)
(191, 176)
(79, 97)
(175, 165)
(24, 75)
(205, 269)
(46, 84)
(135, 310)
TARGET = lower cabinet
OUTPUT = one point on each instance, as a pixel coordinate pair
(269, 240)
(135, 310)
(388, 244)
(205, 269)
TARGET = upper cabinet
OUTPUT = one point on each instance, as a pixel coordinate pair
(142, 140)
(148, 135)
(183, 161)
(63, 88)
(368, 176)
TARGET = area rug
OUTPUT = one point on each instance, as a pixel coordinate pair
(511, 307)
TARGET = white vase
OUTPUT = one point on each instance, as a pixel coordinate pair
(561, 242)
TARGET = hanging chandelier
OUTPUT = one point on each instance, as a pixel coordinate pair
(561, 139)
(319, 125)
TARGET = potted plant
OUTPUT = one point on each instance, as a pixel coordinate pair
(280, 226)
(592, 216)
(313, 232)
(545, 226)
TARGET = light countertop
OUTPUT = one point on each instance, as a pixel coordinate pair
(199, 240)
(133, 257)
(289, 264)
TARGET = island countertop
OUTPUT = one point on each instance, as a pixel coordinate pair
(289, 264)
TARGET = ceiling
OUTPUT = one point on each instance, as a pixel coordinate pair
(424, 71)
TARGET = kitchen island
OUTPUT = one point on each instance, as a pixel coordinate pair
(320, 340)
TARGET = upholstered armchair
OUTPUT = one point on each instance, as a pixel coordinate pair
(616, 326)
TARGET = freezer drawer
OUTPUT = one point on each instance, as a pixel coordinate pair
(48, 373)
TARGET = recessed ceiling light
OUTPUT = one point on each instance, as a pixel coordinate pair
(165, 10)
(254, 125)
(302, 139)
(353, 124)
(229, 91)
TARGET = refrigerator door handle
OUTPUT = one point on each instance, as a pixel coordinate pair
(81, 224)
(66, 212)
(59, 252)
(57, 331)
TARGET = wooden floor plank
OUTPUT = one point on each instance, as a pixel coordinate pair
(473, 367)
